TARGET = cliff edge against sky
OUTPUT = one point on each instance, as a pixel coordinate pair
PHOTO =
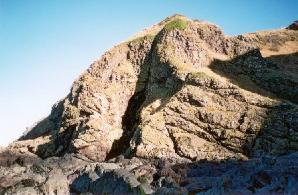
(180, 107)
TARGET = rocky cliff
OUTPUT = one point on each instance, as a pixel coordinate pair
(179, 108)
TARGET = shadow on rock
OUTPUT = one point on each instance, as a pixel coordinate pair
(264, 175)
(263, 76)
(279, 130)
(106, 183)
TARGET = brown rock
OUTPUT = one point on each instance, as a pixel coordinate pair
(293, 26)
(180, 108)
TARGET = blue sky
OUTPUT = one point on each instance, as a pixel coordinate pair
(45, 45)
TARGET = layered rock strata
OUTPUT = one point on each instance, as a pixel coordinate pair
(146, 115)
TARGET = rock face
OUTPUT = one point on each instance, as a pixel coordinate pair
(180, 108)
(293, 26)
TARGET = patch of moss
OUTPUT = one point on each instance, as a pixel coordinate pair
(198, 75)
(176, 24)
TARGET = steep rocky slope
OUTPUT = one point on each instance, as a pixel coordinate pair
(180, 107)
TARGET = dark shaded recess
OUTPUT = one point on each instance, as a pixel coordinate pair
(266, 74)
(130, 121)
(287, 63)
(251, 175)
(260, 173)
(281, 59)
(130, 118)
(266, 77)
(108, 183)
(269, 80)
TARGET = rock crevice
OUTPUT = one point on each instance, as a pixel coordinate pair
(174, 109)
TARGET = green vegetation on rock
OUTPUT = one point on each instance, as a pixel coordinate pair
(198, 75)
(148, 112)
(176, 24)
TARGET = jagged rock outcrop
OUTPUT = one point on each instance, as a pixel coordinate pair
(293, 26)
(151, 112)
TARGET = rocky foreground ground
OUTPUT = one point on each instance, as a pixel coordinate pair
(180, 108)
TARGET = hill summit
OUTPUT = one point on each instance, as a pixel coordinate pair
(178, 108)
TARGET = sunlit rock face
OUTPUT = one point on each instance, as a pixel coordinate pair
(146, 115)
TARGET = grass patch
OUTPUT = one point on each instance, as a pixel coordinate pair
(176, 24)
(198, 75)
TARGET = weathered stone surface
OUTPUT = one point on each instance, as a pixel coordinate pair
(181, 108)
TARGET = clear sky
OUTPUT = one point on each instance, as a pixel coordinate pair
(46, 44)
